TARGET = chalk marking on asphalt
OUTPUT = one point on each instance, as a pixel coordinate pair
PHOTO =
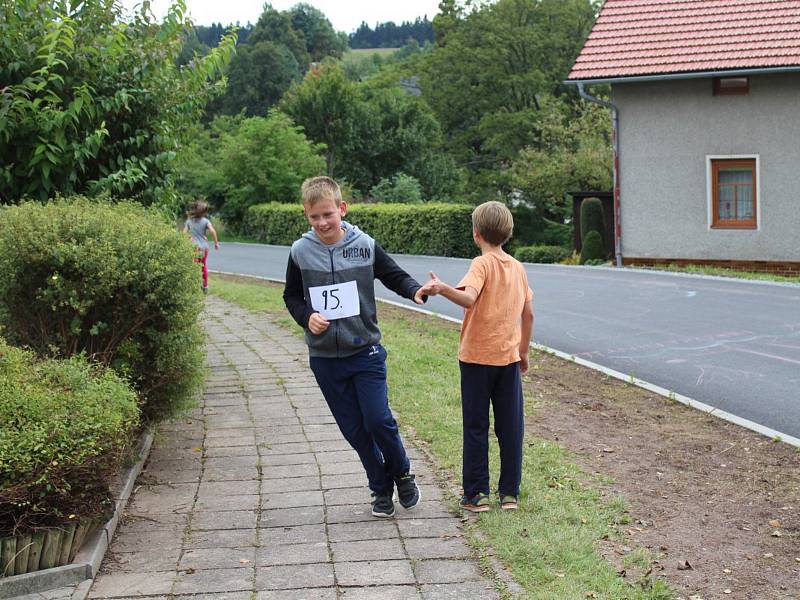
(656, 389)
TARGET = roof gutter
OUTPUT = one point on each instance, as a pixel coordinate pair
(615, 170)
(685, 75)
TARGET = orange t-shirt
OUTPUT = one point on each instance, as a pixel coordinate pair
(491, 331)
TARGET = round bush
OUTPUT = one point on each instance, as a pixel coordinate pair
(592, 217)
(592, 249)
(541, 254)
(111, 280)
(66, 427)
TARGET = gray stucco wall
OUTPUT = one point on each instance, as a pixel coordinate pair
(667, 129)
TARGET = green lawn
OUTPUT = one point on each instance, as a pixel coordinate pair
(550, 543)
(358, 54)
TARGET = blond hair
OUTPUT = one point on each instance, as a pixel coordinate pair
(316, 189)
(197, 209)
(494, 222)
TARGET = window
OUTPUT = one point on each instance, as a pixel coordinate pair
(731, 86)
(733, 193)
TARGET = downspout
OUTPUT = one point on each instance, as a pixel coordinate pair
(615, 169)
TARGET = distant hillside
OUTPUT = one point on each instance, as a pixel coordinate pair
(390, 35)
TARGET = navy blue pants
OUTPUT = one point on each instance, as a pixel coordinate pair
(481, 384)
(356, 392)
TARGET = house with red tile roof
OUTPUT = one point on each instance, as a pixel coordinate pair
(705, 102)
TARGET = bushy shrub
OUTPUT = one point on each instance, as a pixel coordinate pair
(532, 229)
(113, 281)
(400, 188)
(592, 249)
(541, 254)
(592, 217)
(433, 229)
(66, 425)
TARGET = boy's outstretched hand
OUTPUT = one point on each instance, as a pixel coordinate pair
(433, 287)
(317, 323)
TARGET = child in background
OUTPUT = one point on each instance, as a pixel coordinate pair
(493, 354)
(198, 226)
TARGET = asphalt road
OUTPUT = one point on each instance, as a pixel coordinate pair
(734, 345)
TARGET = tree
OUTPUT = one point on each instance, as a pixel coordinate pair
(91, 103)
(264, 160)
(321, 40)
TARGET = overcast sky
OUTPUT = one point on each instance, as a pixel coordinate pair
(345, 15)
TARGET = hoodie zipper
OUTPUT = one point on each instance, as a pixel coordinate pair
(335, 322)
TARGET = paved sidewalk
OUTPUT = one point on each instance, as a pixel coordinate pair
(257, 495)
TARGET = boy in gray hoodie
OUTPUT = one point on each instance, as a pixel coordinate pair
(330, 292)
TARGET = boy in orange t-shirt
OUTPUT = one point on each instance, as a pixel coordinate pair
(493, 354)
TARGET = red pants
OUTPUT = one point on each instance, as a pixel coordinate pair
(202, 258)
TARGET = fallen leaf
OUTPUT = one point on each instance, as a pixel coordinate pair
(726, 591)
(684, 566)
(726, 570)
(244, 561)
(768, 555)
(776, 533)
(775, 523)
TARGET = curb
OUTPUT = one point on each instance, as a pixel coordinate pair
(87, 562)
(650, 387)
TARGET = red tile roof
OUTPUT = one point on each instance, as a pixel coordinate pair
(654, 37)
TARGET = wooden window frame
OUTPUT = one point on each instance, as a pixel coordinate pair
(716, 165)
(719, 90)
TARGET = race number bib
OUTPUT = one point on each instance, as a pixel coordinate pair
(336, 301)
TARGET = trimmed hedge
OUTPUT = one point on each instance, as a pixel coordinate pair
(592, 251)
(430, 229)
(541, 254)
(111, 280)
(66, 425)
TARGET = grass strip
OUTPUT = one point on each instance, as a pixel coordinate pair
(551, 543)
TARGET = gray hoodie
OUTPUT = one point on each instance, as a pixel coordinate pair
(356, 257)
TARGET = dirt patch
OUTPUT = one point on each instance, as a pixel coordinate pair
(717, 505)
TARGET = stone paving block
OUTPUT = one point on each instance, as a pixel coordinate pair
(289, 517)
(377, 529)
(422, 548)
(447, 571)
(131, 584)
(217, 558)
(294, 577)
(379, 572)
(425, 510)
(342, 468)
(459, 591)
(162, 498)
(222, 596)
(320, 419)
(231, 474)
(232, 462)
(291, 554)
(282, 438)
(231, 451)
(347, 496)
(155, 540)
(214, 580)
(302, 534)
(313, 594)
(330, 445)
(351, 513)
(324, 435)
(338, 456)
(349, 480)
(224, 488)
(57, 594)
(172, 476)
(436, 528)
(386, 549)
(292, 499)
(277, 460)
(230, 440)
(244, 432)
(284, 471)
(290, 484)
(289, 448)
(384, 592)
(142, 560)
(174, 522)
(220, 538)
(224, 503)
(264, 430)
(233, 519)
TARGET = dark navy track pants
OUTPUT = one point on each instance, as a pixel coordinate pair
(481, 384)
(356, 392)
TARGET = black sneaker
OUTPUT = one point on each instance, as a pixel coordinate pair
(382, 506)
(407, 491)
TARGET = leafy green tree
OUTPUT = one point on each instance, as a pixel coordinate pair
(92, 103)
(399, 188)
(574, 153)
(264, 160)
(321, 40)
